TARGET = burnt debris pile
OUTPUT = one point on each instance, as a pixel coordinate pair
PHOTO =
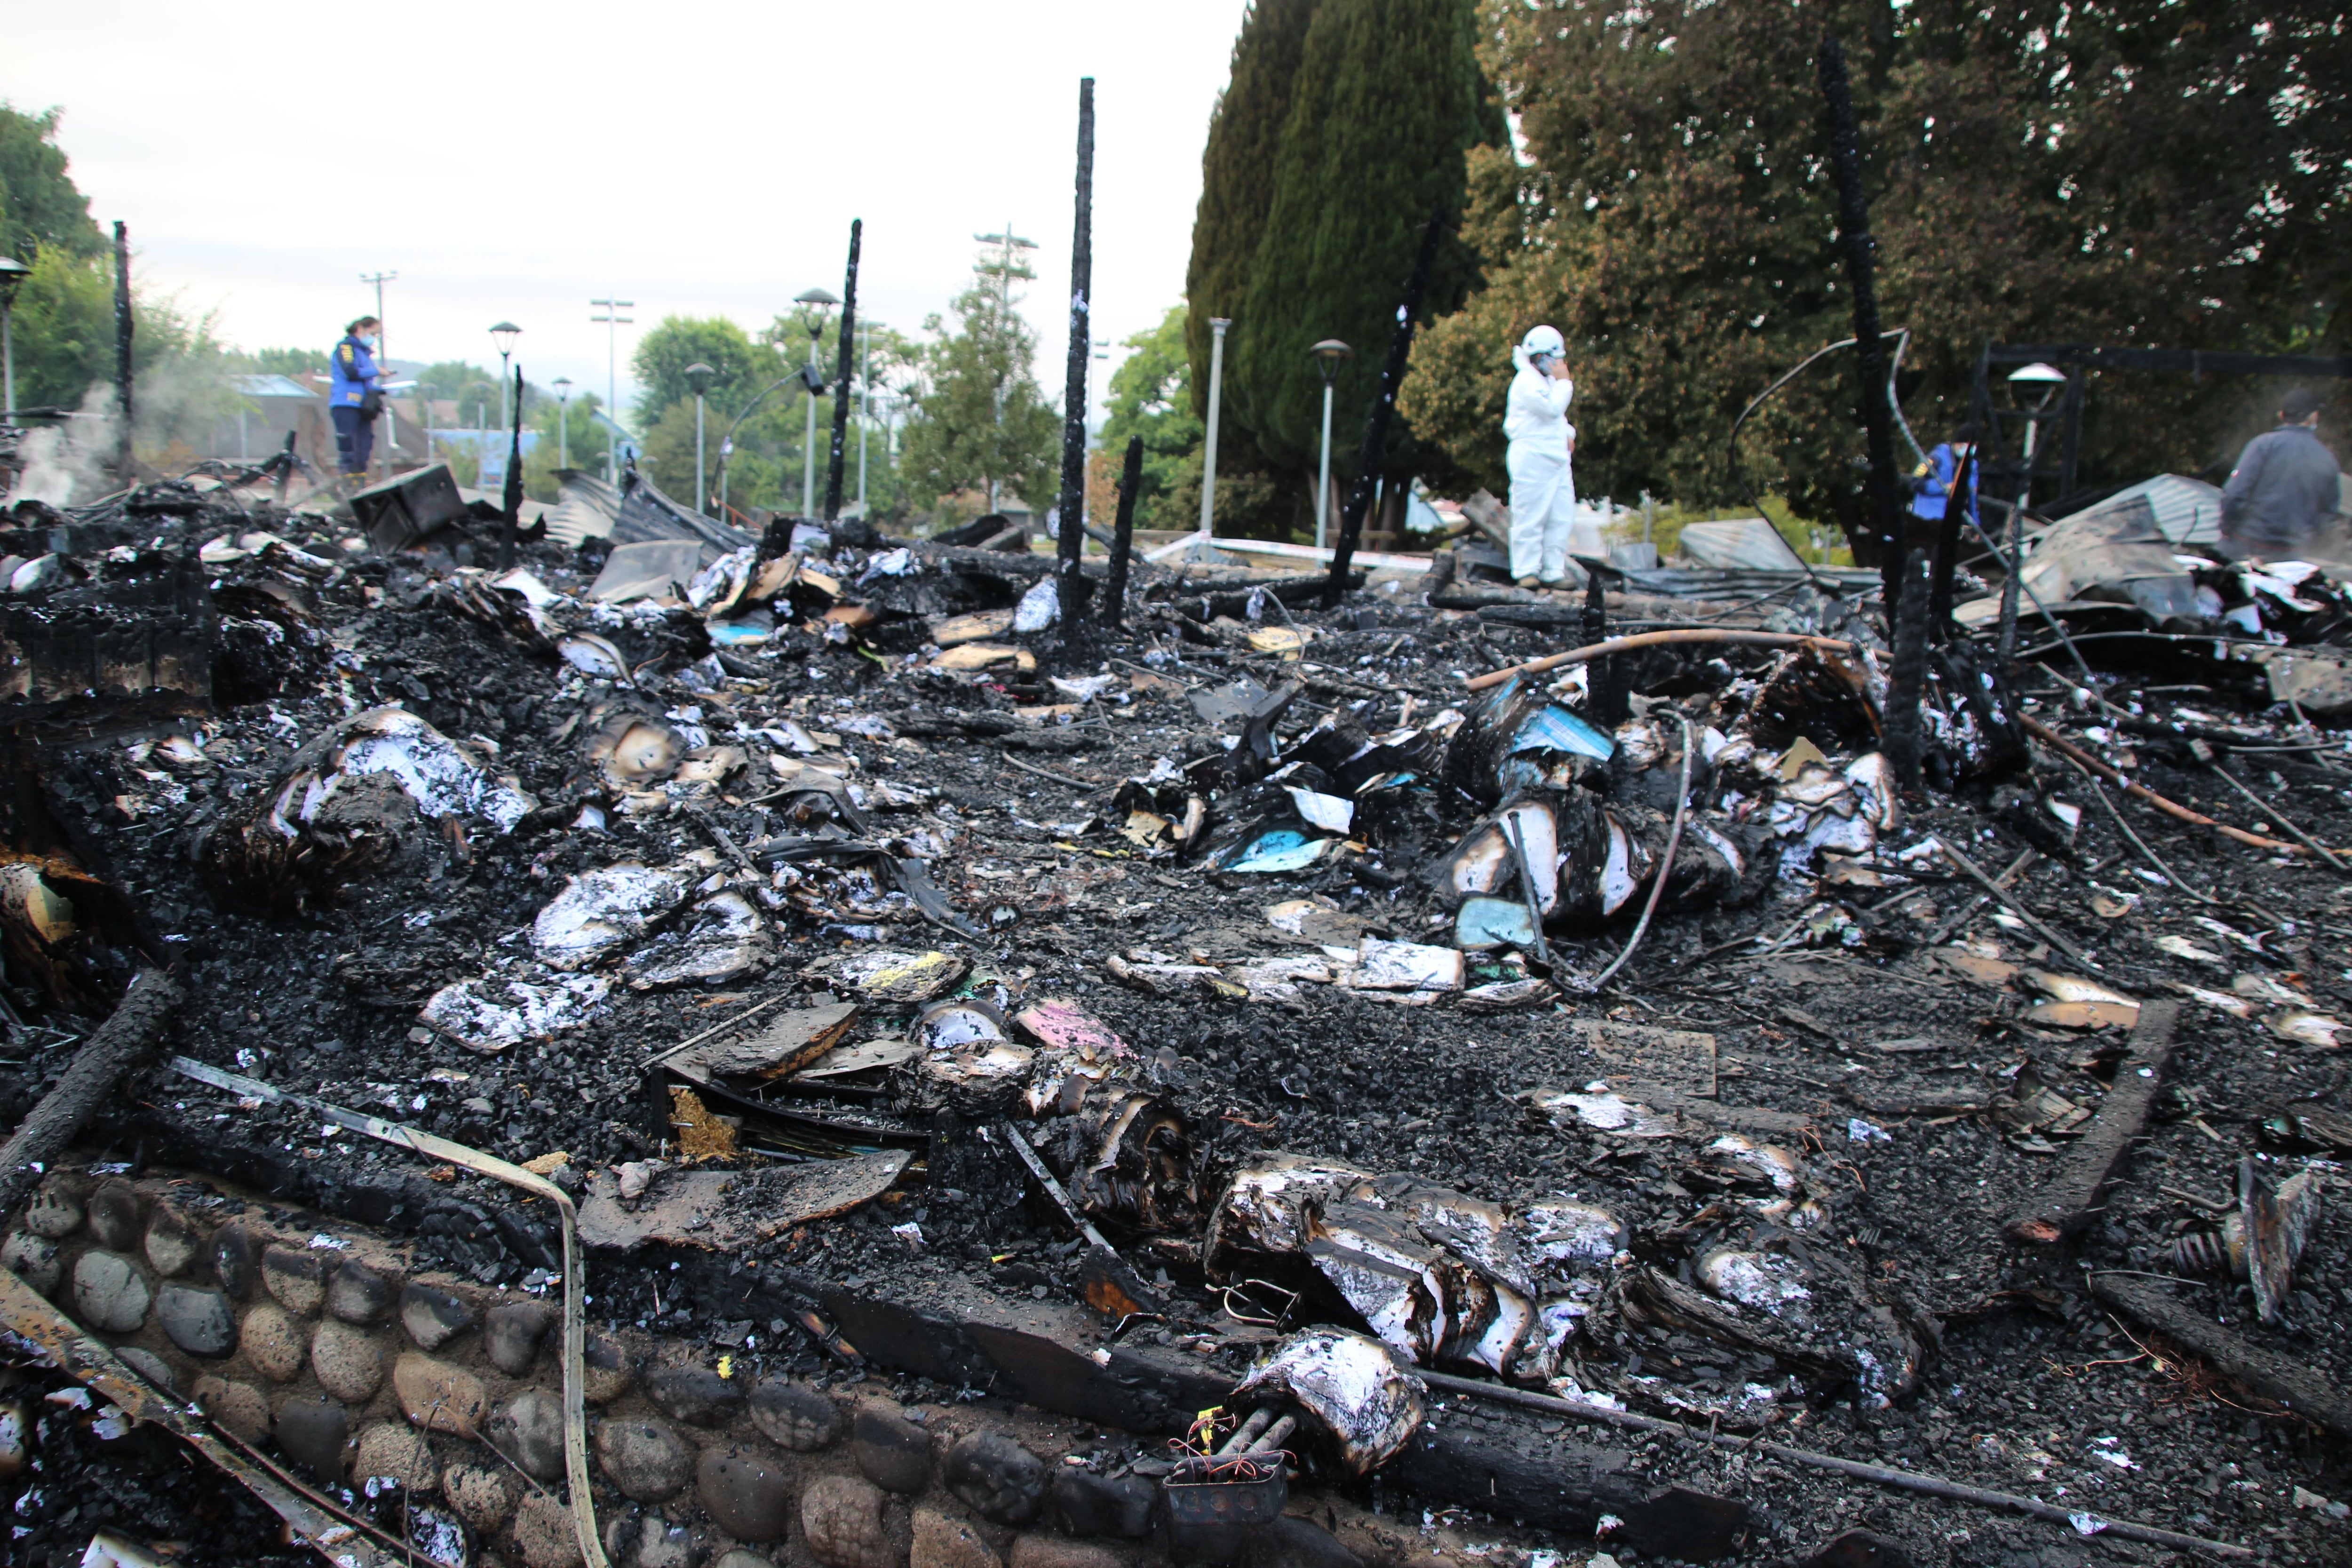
(883, 1074)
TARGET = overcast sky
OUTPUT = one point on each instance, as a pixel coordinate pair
(698, 157)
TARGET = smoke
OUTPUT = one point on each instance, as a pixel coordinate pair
(72, 463)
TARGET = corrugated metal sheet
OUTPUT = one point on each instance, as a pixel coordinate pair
(2187, 510)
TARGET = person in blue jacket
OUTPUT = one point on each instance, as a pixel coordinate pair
(1932, 481)
(355, 398)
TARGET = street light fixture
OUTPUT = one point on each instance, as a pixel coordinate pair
(504, 335)
(2041, 383)
(13, 274)
(815, 309)
(562, 421)
(697, 376)
(1328, 355)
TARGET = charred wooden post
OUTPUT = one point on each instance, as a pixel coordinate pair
(122, 323)
(1609, 692)
(117, 1047)
(1907, 675)
(285, 465)
(1853, 233)
(1959, 497)
(841, 372)
(1376, 423)
(1069, 586)
(1122, 538)
(513, 498)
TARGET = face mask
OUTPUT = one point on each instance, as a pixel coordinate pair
(367, 340)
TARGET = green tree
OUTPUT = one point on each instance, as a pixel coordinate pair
(979, 421)
(40, 209)
(2136, 173)
(1151, 396)
(1237, 171)
(1388, 101)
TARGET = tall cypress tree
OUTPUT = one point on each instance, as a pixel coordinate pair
(1237, 169)
(1387, 102)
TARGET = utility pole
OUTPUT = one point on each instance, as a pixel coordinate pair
(562, 421)
(613, 321)
(382, 355)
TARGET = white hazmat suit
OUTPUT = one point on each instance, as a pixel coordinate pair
(1543, 479)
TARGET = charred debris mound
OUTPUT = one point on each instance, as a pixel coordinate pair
(1247, 989)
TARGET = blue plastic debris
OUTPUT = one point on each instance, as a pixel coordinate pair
(1484, 922)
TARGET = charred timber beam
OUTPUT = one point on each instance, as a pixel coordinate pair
(1070, 588)
(2072, 1196)
(1122, 541)
(2294, 1386)
(120, 1044)
(1870, 348)
(1376, 423)
(1661, 639)
(842, 363)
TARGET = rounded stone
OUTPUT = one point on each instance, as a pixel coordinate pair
(432, 1316)
(118, 1214)
(233, 1263)
(1054, 1552)
(797, 1415)
(530, 1430)
(390, 1448)
(943, 1543)
(272, 1343)
(110, 1293)
(545, 1533)
(890, 1450)
(358, 1294)
(605, 1372)
(198, 1319)
(348, 1360)
(297, 1280)
(841, 1516)
(1085, 1503)
(172, 1242)
(749, 1498)
(651, 1541)
(996, 1476)
(55, 1211)
(739, 1558)
(644, 1458)
(35, 1260)
(437, 1396)
(150, 1366)
(695, 1394)
(239, 1406)
(312, 1432)
(483, 1496)
(512, 1334)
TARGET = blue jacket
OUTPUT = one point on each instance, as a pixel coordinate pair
(1931, 488)
(354, 370)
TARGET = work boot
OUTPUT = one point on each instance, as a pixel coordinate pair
(1531, 583)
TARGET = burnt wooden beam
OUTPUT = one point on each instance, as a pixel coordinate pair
(2273, 1376)
(117, 1045)
(2071, 1197)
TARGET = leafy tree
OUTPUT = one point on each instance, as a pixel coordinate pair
(40, 209)
(1151, 396)
(1388, 99)
(278, 361)
(979, 421)
(1237, 171)
(2134, 173)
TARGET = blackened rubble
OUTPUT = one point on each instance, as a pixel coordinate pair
(1275, 943)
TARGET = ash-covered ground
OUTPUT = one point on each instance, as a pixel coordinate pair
(1860, 994)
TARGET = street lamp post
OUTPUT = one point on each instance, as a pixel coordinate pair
(13, 272)
(697, 376)
(816, 305)
(1217, 325)
(1328, 354)
(504, 335)
(562, 421)
(2039, 382)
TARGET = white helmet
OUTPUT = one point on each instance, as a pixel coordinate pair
(1543, 340)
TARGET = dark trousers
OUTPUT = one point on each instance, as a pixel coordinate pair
(354, 438)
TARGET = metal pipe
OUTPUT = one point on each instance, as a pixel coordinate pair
(1217, 325)
(1323, 480)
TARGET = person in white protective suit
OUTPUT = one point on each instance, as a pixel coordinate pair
(1543, 479)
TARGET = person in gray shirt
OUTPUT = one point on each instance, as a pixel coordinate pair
(2285, 488)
